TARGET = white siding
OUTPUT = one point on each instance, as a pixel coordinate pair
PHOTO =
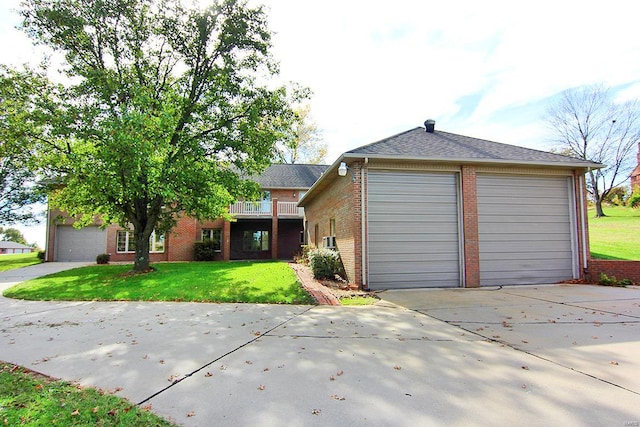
(413, 230)
(79, 244)
(525, 230)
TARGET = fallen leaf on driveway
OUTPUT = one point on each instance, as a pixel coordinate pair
(191, 414)
(208, 374)
(261, 387)
(316, 411)
(613, 362)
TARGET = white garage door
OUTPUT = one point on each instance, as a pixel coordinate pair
(79, 244)
(524, 225)
(413, 230)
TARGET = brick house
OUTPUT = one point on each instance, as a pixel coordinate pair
(271, 228)
(635, 175)
(427, 208)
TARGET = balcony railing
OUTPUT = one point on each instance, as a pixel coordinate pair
(264, 209)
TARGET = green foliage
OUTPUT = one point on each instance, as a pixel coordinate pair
(32, 399)
(238, 282)
(205, 251)
(103, 259)
(165, 109)
(41, 255)
(325, 263)
(617, 196)
(634, 200)
(18, 179)
(612, 281)
(12, 235)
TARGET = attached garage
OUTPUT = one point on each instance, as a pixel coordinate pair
(83, 244)
(525, 228)
(413, 230)
(428, 208)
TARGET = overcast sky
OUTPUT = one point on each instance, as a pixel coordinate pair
(487, 69)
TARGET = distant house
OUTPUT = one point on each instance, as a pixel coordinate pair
(427, 208)
(271, 228)
(635, 175)
(14, 248)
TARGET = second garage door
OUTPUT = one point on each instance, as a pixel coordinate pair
(413, 230)
(82, 244)
(524, 225)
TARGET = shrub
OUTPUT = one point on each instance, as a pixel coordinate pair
(612, 281)
(325, 263)
(103, 259)
(302, 257)
(634, 200)
(41, 255)
(205, 251)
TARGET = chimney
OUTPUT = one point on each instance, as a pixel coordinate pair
(430, 125)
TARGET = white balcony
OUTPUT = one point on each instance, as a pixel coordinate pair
(265, 209)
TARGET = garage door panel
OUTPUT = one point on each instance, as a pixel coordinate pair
(408, 280)
(524, 229)
(82, 244)
(413, 230)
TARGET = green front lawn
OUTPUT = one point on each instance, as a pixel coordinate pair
(28, 398)
(245, 281)
(10, 262)
(617, 235)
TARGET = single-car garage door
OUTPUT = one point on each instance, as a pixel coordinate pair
(79, 244)
(413, 230)
(524, 225)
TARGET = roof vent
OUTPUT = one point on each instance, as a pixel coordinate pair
(430, 125)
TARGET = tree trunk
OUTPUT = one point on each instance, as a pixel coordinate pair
(141, 264)
(599, 211)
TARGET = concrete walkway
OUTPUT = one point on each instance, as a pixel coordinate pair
(448, 361)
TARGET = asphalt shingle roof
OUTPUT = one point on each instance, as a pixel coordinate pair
(290, 176)
(12, 245)
(442, 145)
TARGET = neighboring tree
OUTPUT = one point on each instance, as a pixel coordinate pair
(303, 144)
(589, 125)
(12, 235)
(617, 196)
(163, 109)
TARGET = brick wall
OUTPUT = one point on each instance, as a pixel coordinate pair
(470, 227)
(337, 202)
(618, 269)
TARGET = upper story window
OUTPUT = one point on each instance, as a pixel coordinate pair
(126, 242)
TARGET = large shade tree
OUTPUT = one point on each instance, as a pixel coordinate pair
(587, 123)
(161, 111)
(19, 189)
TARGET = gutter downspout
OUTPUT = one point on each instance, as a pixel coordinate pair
(583, 222)
(362, 226)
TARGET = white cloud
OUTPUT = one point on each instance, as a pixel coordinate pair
(378, 67)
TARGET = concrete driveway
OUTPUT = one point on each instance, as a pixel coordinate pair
(434, 363)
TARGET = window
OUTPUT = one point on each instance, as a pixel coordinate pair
(126, 242)
(213, 235)
(254, 241)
